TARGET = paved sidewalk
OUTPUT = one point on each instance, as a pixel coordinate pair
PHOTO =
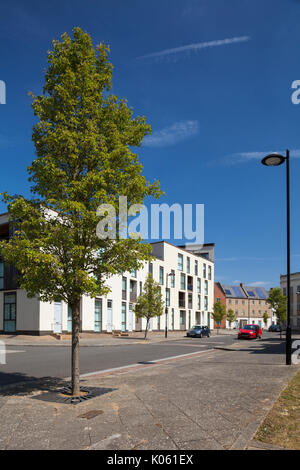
(214, 400)
(99, 339)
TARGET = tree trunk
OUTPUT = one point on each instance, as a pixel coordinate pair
(146, 330)
(75, 347)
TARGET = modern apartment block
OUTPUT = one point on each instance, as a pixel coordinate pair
(186, 279)
(248, 303)
(294, 296)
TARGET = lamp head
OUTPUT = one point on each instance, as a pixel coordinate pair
(274, 159)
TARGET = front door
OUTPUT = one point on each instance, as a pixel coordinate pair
(10, 310)
(57, 326)
(98, 315)
(109, 316)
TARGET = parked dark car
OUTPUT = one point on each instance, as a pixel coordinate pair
(197, 331)
(274, 328)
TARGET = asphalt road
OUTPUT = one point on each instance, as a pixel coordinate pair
(33, 362)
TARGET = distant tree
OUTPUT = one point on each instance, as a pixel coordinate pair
(231, 317)
(277, 302)
(265, 318)
(219, 313)
(150, 303)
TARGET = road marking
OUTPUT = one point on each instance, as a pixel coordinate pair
(139, 366)
(12, 351)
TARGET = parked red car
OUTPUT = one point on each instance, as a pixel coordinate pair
(250, 332)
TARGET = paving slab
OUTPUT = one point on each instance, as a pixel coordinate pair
(214, 401)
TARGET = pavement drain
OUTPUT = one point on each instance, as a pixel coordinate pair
(91, 414)
(64, 396)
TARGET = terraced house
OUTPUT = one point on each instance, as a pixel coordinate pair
(185, 274)
(248, 303)
(294, 297)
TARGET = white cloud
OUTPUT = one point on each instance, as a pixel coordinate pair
(195, 47)
(244, 157)
(259, 283)
(171, 135)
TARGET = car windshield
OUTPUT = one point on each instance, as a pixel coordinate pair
(249, 327)
(197, 327)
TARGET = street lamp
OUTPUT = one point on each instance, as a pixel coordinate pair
(274, 159)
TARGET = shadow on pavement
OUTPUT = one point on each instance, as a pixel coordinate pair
(22, 384)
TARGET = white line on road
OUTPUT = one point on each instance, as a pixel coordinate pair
(150, 361)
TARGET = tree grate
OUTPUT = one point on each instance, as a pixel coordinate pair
(64, 396)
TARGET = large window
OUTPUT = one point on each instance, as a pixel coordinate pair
(161, 275)
(180, 262)
(98, 315)
(188, 265)
(209, 272)
(123, 317)
(196, 268)
(10, 308)
(199, 302)
(204, 271)
(124, 288)
(1, 275)
(205, 303)
(182, 281)
(198, 285)
(205, 287)
(172, 278)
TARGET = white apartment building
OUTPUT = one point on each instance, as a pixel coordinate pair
(294, 296)
(186, 279)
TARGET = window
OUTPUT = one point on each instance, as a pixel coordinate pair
(204, 271)
(10, 312)
(180, 262)
(198, 285)
(124, 288)
(1, 275)
(229, 301)
(182, 281)
(161, 275)
(133, 273)
(188, 265)
(205, 287)
(196, 268)
(243, 302)
(141, 287)
(199, 302)
(284, 291)
(218, 299)
(236, 302)
(151, 268)
(209, 272)
(205, 303)
(167, 297)
(123, 317)
(98, 315)
(190, 300)
(172, 278)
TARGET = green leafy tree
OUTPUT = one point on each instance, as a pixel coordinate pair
(219, 313)
(265, 318)
(231, 317)
(83, 138)
(150, 303)
(277, 302)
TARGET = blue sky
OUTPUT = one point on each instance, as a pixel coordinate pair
(213, 78)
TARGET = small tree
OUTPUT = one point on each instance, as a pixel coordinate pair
(277, 302)
(150, 303)
(219, 313)
(265, 318)
(231, 317)
(83, 138)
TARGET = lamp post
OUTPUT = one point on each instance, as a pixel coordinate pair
(274, 159)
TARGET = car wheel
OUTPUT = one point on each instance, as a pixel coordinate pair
(208, 335)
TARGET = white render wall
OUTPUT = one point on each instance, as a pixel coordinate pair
(294, 297)
(34, 315)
